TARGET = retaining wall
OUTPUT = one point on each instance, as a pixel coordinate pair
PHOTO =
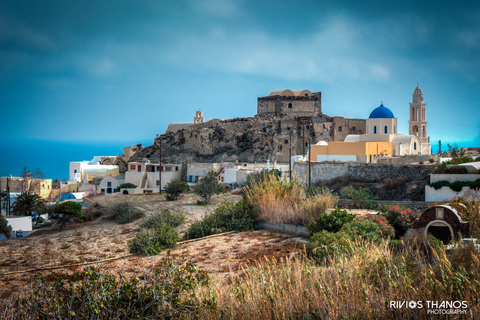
(369, 172)
(416, 206)
(447, 194)
(284, 228)
(434, 177)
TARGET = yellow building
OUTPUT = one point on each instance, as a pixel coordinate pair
(363, 151)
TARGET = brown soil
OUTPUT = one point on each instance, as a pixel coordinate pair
(221, 256)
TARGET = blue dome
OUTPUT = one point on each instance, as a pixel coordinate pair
(381, 112)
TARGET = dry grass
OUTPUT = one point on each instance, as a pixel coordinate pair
(358, 287)
(276, 200)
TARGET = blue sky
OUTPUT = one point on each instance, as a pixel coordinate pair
(117, 72)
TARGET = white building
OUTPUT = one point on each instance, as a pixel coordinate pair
(21, 227)
(145, 175)
(84, 171)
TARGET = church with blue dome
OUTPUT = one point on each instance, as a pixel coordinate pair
(381, 125)
(381, 137)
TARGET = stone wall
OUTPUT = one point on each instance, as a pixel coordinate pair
(416, 206)
(453, 177)
(368, 172)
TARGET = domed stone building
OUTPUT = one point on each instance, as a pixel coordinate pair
(381, 136)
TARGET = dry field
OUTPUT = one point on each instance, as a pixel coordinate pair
(104, 239)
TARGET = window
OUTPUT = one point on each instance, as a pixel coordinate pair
(386, 129)
(286, 141)
(168, 169)
(394, 129)
(176, 168)
(374, 129)
(102, 190)
(109, 190)
(139, 168)
(132, 167)
(290, 106)
(279, 148)
(195, 136)
(109, 184)
(414, 146)
(158, 183)
(354, 128)
(339, 129)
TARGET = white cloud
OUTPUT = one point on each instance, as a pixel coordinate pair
(219, 8)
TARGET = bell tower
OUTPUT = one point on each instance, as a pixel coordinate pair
(417, 126)
(198, 117)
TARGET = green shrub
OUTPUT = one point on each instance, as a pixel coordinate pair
(167, 293)
(5, 229)
(457, 185)
(152, 241)
(175, 188)
(66, 210)
(387, 230)
(208, 185)
(331, 222)
(263, 176)
(127, 185)
(326, 245)
(227, 217)
(165, 216)
(400, 218)
(362, 196)
(124, 212)
(364, 229)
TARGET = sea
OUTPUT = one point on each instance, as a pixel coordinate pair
(53, 157)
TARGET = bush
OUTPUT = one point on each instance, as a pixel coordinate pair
(331, 222)
(387, 230)
(457, 185)
(124, 212)
(400, 218)
(208, 185)
(66, 210)
(127, 185)
(166, 293)
(152, 241)
(227, 217)
(263, 176)
(364, 229)
(326, 245)
(175, 188)
(362, 196)
(165, 216)
(276, 199)
(315, 205)
(5, 229)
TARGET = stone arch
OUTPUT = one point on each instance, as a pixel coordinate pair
(125, 192)
(439, 223)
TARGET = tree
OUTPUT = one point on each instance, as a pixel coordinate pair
(5, 228)
(66, 210)
(208, 185)
(27, 203)
(174, 188)
(127, 185)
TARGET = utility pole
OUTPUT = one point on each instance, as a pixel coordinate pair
(8, 199)
(160, 164)
(310, 164)
(303, 139)
(290, 155)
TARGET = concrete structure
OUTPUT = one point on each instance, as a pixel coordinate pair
(301, 103)
(447, 194)
(350, 151)
(85, 171)
(324, 171)
(41, 187)
(197, 170)
(145, 175)
(417, 125)
(72, 196)
(21, 227)
(443, 222)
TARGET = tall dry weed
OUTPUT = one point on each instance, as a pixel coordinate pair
(280, 201)
(360, 287)
(276, 199)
